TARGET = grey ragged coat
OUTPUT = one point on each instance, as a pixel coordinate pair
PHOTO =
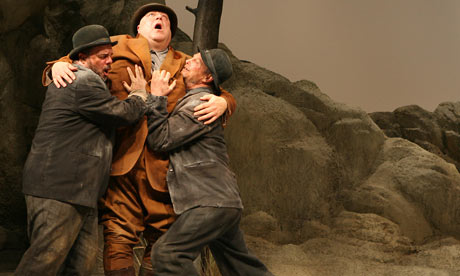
(71, 152)
(198, 173)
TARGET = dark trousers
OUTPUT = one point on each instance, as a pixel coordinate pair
(63, 238)
(174, 252)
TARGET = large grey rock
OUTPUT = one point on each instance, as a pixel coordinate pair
(437, 132)
(283, 157)
(412, 187)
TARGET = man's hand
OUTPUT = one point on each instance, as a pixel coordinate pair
(159, 84)
(211, 110)
(138, 81)
(62, 73)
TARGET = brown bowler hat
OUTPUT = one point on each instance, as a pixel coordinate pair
(137, 16)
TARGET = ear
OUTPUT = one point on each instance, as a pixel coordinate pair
(82, 57)
(208, 78)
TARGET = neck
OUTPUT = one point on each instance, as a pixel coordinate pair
(157, 45)
(190, 86)
(81, 62)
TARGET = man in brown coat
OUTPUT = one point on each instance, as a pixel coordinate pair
(137, 200)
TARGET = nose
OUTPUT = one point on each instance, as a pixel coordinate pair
(109, 60)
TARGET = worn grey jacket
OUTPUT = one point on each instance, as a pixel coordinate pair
(198, 173)
(71, 152)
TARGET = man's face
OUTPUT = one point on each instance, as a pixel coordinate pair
(155, 25)
(100, 59)
(195, 71)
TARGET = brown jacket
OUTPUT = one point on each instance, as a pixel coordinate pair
(131, 140)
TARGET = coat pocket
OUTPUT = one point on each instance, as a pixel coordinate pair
(90, 169)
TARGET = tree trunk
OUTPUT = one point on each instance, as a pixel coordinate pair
(207, 21)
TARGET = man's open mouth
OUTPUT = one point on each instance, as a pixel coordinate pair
(158, 26)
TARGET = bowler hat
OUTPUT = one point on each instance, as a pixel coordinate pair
(218, 64)
(137, 16)
(88, 37)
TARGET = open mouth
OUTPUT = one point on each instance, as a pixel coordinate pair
(158, 26)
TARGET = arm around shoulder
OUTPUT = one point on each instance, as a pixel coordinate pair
(60, 71)
(46, 75)
(231, 105)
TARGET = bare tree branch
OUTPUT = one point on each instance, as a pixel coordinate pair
(207, 22)
(194, 11)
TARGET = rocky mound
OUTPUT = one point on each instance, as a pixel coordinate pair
(437, 132)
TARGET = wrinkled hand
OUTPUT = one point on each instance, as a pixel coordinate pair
(138, 81)
(159, 84)
(210, 110)
(62, 73)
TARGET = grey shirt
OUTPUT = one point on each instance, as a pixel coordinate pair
(157, 58)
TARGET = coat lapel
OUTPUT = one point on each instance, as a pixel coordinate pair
(140, 47)
(171, 64)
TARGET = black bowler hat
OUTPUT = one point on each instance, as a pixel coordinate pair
(143, 10)
(88, 37)
(218, 64)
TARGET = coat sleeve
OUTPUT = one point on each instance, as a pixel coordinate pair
(46, 76)
(167, 132)
(97, 105)
(231, 106)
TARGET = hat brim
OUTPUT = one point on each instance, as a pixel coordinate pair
(206, 57)
(103, 41)
(137, 16)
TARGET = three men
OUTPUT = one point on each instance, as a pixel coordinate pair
(67, 169)
(137, 200)
(203, 190)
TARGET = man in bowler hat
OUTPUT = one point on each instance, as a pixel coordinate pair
(68, 167)
(203, 190)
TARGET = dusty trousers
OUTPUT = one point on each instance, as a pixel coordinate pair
(63, 238)
(174, 252)
(131, 207)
